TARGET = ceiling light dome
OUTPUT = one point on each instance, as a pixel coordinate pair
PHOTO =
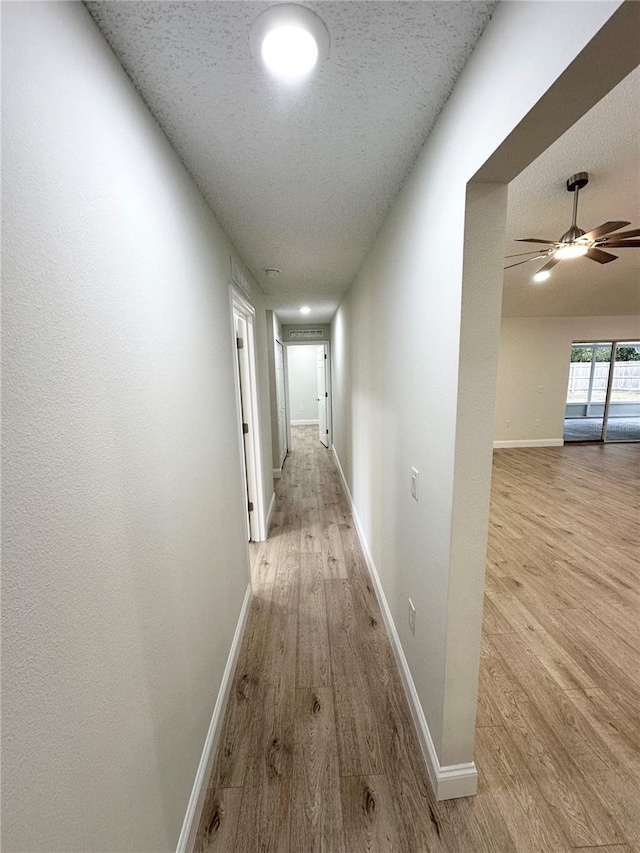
(289, 51)
(571, 250)
(289, 41)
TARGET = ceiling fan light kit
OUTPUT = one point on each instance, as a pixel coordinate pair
(575, 242)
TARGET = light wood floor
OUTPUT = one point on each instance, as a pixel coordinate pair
(318, 751)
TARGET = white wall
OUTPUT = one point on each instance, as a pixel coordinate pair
(533, 370)
(302, 366)
(125, 564)
(402, 377)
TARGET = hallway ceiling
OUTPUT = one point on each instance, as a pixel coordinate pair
(606, 144)
(299, 178)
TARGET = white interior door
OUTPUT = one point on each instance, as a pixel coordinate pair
(323, 395)
(281, 404)
(249, 463)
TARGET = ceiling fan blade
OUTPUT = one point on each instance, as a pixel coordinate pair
(517, 264)
(550, 264)
(535, 240)
(600, 256)
(635, 232)
(605, 228)
(521, 254)
(619, 244)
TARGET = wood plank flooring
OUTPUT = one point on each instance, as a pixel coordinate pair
(318, 751)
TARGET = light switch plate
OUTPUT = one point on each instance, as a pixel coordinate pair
(412, 618)
(415, 484)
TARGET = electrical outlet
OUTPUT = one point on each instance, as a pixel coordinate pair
(536, 422)
(508, 424)
(412, 618)
(415, 484)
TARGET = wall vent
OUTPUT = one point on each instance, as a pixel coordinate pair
(306, 334)
(239, 279)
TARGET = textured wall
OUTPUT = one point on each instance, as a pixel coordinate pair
(124, 553)
(402, 376)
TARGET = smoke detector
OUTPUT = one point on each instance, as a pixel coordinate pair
(272, 272)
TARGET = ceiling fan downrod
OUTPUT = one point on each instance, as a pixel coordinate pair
(574, 185)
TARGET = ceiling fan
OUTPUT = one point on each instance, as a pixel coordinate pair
(575, 243)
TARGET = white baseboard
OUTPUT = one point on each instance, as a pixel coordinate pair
(449, 781)
(530, 442)
(199, 790)
(304, 423)
(272, 506)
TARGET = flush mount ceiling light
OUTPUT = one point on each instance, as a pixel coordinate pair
(574, 243)
(289, 41)
(305, 309)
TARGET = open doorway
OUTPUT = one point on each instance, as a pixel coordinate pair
(556, 559)
(248, 421)
(309, 391)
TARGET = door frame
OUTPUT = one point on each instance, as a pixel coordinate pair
(287, 438)
(327, 349)
(247, 406)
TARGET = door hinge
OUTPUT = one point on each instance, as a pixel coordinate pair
(327, 432)
(325, 356)
(326, 393)
(245, 429)
(239, 343)
(250, 505)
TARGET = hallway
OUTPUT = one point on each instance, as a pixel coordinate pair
(318, 750)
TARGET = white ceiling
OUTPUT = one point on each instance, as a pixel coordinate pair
(300, 178)
(606, 144)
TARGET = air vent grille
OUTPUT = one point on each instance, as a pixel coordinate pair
(305, 334)
(238, 278)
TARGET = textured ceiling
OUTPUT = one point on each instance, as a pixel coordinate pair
(606, 144)
(299, 177)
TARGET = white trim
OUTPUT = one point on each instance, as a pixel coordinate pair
(272, 506)
(199, 790)
(285, 363)
(251, 411)
(277, 472)
(449, 781)
(530, 442)
(329, 401)
(304, 423)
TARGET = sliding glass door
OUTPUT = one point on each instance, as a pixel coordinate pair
(587, 391)
(623, 407)
(603, 396)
